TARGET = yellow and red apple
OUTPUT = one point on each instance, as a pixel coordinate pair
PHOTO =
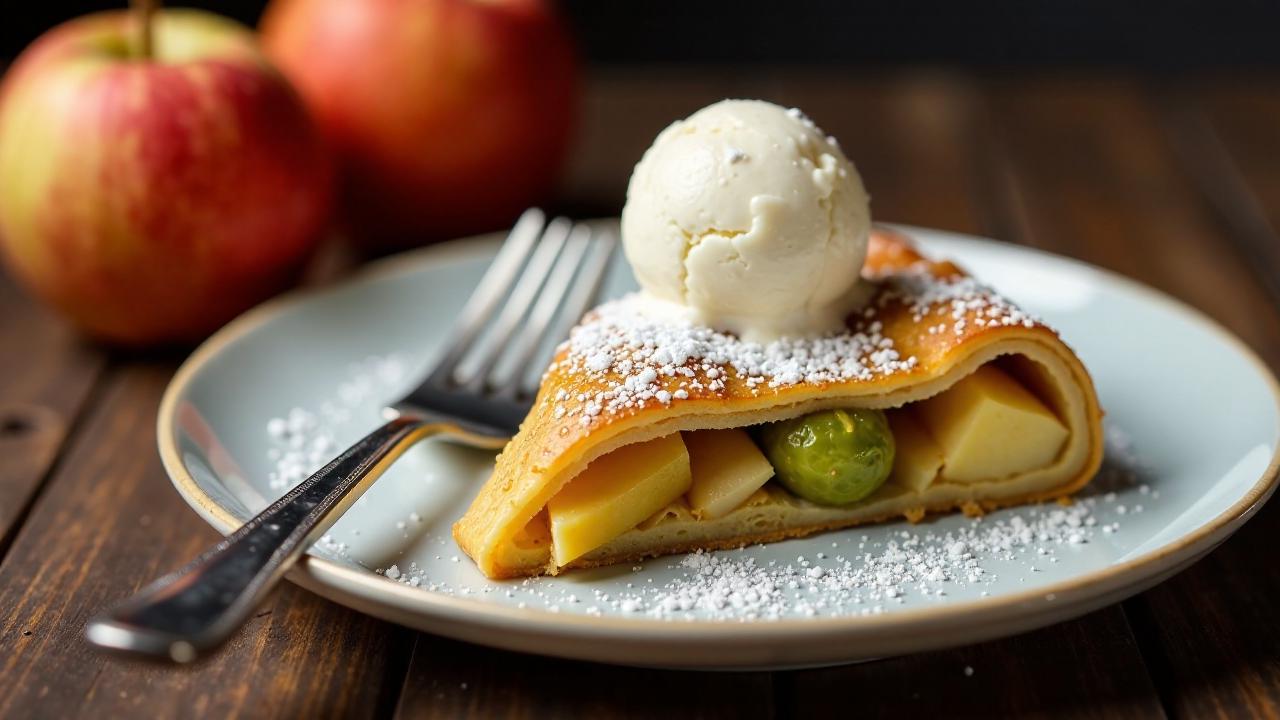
(153, 198)
(447, 117)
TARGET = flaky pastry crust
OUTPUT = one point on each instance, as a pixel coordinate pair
(948, 337)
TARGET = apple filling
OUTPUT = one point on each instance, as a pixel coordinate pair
(995, 424)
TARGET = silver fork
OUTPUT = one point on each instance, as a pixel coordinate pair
(548, 273)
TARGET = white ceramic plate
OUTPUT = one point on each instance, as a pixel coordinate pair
(1192, 418)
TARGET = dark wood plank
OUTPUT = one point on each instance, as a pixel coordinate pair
(1225, 136)
(622, 111)
(109, 522)
(1099, 180)
(909, 135)
(448, 679)
(46, 373)
(1243, 112)
(1061, 671)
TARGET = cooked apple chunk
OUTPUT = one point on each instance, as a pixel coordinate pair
(990, 427)
(918, 457)
(615, 493)
(727, 468)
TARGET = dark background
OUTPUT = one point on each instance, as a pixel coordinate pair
(1167, 36)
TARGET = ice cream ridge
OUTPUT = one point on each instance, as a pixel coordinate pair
(786, 369)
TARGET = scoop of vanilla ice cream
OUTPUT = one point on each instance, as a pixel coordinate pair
(752, 218)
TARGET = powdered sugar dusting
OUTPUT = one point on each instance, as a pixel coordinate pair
(860, 571)
(304, 439)
(640, 356)
(864, 579)
(956, 298)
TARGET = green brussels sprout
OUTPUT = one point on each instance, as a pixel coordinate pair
(832, 457)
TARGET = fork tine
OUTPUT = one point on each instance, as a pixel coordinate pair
(518, 303)
(490, 290)
(557, 288)
(580, 297)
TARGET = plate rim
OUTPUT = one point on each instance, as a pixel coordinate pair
(318, 574)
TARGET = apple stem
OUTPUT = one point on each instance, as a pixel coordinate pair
(143, 11)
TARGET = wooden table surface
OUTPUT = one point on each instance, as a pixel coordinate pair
(1174, 182)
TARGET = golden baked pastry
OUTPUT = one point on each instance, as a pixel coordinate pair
(990, 409)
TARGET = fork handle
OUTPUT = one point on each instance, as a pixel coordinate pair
(194, 609)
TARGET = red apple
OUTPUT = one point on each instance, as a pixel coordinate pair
(153, 198)
(448, 117)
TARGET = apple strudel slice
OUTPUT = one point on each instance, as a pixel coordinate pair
(652, 436)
